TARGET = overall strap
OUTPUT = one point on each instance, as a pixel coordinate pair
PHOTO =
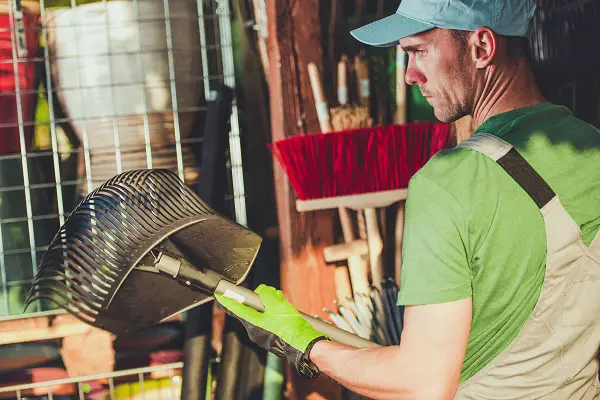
(514, 164)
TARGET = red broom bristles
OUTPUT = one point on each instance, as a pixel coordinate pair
(359, 161)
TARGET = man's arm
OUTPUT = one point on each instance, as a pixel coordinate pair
(426, 365)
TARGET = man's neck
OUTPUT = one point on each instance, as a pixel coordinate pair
(506, 89)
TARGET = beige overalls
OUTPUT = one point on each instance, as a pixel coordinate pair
(554, 355)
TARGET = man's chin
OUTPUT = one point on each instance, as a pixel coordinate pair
(447, 117)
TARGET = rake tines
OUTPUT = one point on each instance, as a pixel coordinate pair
(107, 235)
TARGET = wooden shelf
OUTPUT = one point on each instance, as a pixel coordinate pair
(39, 329)
(33, 329)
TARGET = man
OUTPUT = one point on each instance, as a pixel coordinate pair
(501, 265)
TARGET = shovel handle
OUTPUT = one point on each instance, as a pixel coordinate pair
(251, 299)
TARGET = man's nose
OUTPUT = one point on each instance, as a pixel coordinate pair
(414, 76)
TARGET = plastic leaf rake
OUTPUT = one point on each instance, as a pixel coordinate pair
(142, 248)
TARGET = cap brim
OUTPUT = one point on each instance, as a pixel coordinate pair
(388, 31)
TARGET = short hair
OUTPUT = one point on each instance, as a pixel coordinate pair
(516, 46)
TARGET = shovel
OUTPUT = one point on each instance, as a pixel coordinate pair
(142, 248)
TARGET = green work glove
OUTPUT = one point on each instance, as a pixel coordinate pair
(280, 329)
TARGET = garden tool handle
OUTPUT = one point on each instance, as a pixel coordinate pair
(401, 87)
(320, 99)
(342, 82)
(375, 243)
(251, 299)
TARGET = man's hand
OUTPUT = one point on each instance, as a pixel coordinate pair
(280, 329)
(426, 365)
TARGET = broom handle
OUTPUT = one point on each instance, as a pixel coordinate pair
(252, 300)
(343, 286)
(319, 97)
(357, 268)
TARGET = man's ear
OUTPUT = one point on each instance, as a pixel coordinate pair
(484, 44)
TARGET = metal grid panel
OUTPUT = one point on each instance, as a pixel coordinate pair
(158, 382)
(112, 86)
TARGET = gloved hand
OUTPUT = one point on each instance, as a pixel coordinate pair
(280, 329)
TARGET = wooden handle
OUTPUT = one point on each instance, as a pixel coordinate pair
(399, 236)
(319, 97)
(375, 246)
(362, 81)
(357, 267)
(342, 81)
(343, 285)
(260, 16)
(344, 251)
(362, 226)
(252, 300)
(342, 281)
(342, 278)
(401, 87)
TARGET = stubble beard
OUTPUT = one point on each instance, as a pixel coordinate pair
(450, 112)
(453, 108)
(460, 91)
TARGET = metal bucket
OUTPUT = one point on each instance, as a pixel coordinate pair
(111, 64)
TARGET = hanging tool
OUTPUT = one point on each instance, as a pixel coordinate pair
(343, 285)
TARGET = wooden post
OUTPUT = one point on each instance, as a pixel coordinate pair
(294, 40)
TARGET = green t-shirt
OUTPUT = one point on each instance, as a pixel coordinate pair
(471, 230)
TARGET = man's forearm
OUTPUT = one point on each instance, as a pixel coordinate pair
(377, 372)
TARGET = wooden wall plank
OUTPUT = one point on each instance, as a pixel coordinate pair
(294, 40)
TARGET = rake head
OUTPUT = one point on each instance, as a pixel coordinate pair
(107, 263)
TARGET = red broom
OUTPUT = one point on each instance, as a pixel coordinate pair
(362, 169)
(328, 170)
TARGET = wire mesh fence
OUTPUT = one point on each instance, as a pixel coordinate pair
(148, 383)
(89, 89)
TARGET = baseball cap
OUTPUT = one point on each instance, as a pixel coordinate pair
(505, 17)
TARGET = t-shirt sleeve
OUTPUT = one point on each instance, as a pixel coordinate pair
(435, 267)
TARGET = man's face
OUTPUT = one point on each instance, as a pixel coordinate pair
(440, 66)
